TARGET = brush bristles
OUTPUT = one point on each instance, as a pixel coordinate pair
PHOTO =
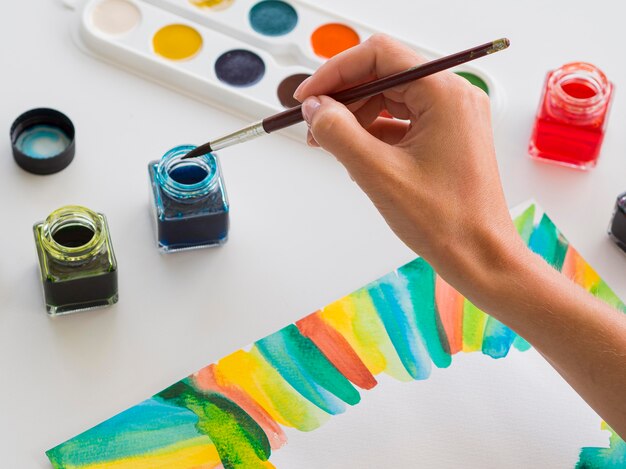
(199, 151)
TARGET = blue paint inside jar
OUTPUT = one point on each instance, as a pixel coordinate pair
(189, 174)
(42, 141)
(273, 18)
(189, 199)
(239, 67)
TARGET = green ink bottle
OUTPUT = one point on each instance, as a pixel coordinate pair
(76, 259)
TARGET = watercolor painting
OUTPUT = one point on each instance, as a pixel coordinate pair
(237, 411)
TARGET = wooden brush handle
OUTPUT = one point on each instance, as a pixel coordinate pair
(352, 95)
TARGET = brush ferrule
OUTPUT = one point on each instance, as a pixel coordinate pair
(240, 136)
(498, 45)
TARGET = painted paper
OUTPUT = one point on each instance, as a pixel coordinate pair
(402, 328)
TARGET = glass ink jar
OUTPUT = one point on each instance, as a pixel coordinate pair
(617, 228)
(76, 260)
(572, 116)
(189, 200)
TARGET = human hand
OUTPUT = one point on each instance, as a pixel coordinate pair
(432, 172)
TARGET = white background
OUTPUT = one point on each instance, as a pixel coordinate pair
(514, 413)
(302, 233)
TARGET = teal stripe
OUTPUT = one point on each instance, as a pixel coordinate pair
(399, 322)
(521, 344)
(613, 457)
(420, 283)
(307, 370)
(498, 339)
(548, 242)
(142, 429)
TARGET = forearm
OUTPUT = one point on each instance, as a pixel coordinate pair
(581, 336)
(436, 183)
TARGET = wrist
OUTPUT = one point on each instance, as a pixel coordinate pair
(514, 284)
(488, 265)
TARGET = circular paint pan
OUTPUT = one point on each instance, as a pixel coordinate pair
(475, 80)
(239, 67)
(177, 42)
(288, 86)
(332, 38)
(273, 18)
(215, 5)
(115, 17)
(43, 141)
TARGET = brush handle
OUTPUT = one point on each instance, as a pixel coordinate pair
(352, 95)
(283, 119)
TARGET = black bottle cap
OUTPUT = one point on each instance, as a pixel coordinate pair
(54, 123)
(617, 228)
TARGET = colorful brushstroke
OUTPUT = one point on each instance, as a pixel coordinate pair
(613, 457)
(231, 413)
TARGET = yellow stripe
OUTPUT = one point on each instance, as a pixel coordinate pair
(590, 277)
(250, 372)
(194, 457)
(340, 316)
(241, 370)
(356, 319)
(474, 321)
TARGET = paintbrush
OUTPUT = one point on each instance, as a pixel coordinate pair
(351, 95)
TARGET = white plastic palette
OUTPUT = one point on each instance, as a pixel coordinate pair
(123, 32)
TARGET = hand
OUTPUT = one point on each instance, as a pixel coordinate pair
(432, 172)
(434, 178)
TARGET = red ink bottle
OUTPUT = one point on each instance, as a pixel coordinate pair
(572, 116)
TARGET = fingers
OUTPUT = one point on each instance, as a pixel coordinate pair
(369, 111)
(338, 131)
(377, 57)
(390, 131)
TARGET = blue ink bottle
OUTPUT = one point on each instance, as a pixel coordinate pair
(76, 260)
(189, 200)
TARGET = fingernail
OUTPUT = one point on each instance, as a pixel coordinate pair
(296, 94)
(309, 108)
(310, 140)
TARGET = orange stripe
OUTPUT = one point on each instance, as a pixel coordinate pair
(337, 350)
(450, 307)
(577, 269)
(569, 268)
(209, 379)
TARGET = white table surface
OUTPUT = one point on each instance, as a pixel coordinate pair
(302, 234)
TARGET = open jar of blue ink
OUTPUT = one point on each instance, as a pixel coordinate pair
(189, 201)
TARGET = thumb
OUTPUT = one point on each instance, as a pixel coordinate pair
(337, 130)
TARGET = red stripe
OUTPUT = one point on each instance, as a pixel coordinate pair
(337, 350)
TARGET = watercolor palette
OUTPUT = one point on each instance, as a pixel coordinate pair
(244, 56)
(407, 326)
